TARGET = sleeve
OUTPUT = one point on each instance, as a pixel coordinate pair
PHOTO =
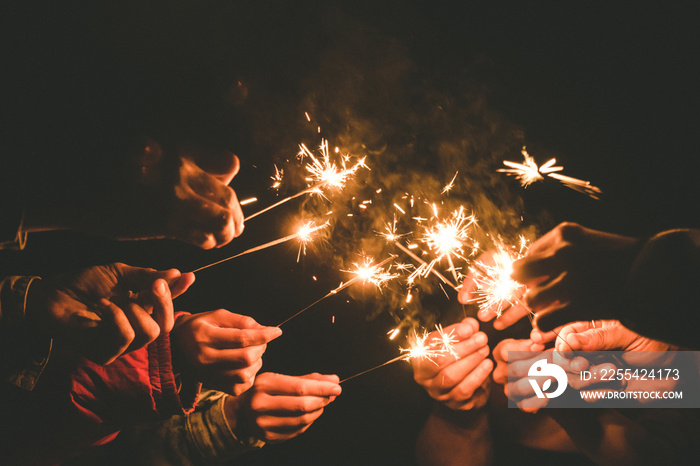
(202, 437)
(12, 235)
(78, 404)
(24, 352)
(662, 289)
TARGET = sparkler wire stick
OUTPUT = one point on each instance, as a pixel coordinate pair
(286, 199)
(418, 259)
(333, 291)
(403, 357)
(261, 247)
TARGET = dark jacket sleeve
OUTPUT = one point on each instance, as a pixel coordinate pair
(662, 289)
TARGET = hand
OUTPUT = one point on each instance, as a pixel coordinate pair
(280, 407)
(574, 273)
(184, 197)
(105, 311)
(221, 349)
(507, 313)
(611, 335)
(458, 381)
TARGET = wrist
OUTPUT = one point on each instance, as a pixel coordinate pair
(240, 429)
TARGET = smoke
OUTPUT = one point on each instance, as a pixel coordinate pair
(418, 128)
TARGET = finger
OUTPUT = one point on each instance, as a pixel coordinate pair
(234, 381)
(324, 377)
(453, 375)
(532, 405)
(138, 279)
(510, 345)
(557, 289)
(542, 338)
(206, 223)
(288, 406)
(279, 384)
(534, 267)
(511, 316)
(567, 341)
(182, 284)
(163, 312)
(222, 165)
(281, 429)
(466, 388)
(118, 333)
(557, 315)
(145, 328)
(224, 318)
(232, 338)
(234, 358)
(598, 339)
(466, 292)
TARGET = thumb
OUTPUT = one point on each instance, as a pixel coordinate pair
(163, 312)
(597, 339)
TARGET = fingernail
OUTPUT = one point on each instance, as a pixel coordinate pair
(582, 339)
(480, 339)
(498, 325)
(277, 332)
(160, 287)
(336, 390)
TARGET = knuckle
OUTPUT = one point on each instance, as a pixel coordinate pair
(568, 230)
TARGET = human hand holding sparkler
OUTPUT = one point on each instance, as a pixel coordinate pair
(106, 311)
(180, 196)
(280, 407)
(611, 335)
(221, 349)
(489, 285)
(574, 273)
(457, 378)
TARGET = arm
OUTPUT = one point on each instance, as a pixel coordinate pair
(574, 273)
(458, 426)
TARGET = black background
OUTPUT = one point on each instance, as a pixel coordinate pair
(610, 90)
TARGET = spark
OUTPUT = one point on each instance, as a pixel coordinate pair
(250, 200)
(399, 208)
(447, 238)
(369, 272)
(445, 341)
(495, 287)
(389, 232)
(303, 233)
(277, 178)
(323, 172)
(418, 349)
(358, 276)
(528, 172)
(448, 187)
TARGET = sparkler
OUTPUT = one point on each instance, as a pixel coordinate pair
(367, 272)
(419, 349)
(528, 172)
(495, 288)
(304, 235)
(322, 172)
(447, 238)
